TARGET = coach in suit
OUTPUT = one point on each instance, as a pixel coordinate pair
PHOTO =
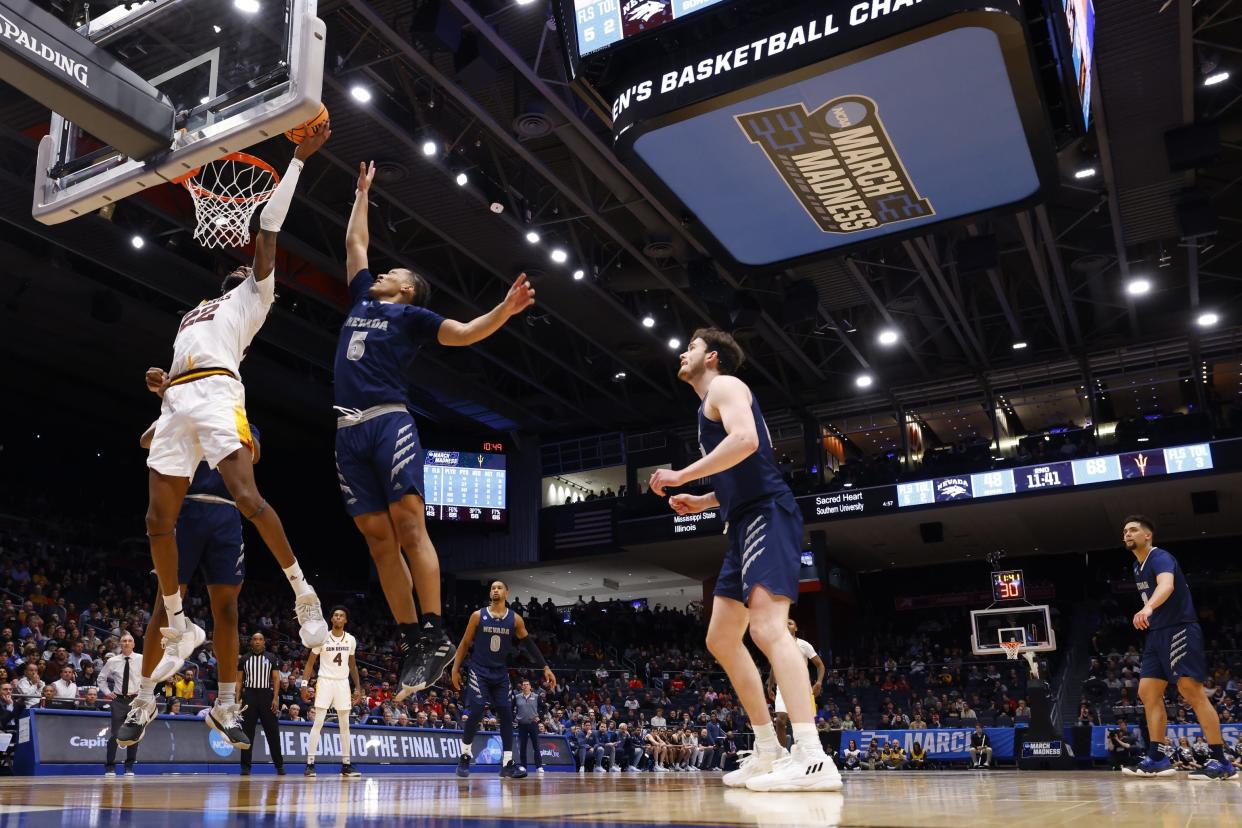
(119, 680)
(260, 676)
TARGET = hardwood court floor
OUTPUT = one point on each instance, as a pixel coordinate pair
(952, 799)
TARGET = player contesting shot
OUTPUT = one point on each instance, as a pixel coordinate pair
(203, 417)
(758, 579)
(1172, 652)
(379, 458)
(501, 631)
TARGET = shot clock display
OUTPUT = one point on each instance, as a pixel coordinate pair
(1008, 585)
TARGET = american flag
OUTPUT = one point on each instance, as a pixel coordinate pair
(576, 528)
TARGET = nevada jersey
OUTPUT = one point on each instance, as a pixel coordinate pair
(494, 643)
(755, 478)
(217, 333)
(378, 343)
(1179, 608)
(334, 656)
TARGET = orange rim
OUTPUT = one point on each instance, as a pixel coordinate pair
(187, 180)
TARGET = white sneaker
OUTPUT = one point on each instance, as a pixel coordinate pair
(582, 769)
(752, 763)
(598, 770)
(803, 770)
(178, 646)
(312, 629)
(539, 769)
(615, 769)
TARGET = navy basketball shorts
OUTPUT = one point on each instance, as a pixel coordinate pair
(210, 535)
(765, 549)
(484, 688)
(379, 459)
(1174, 652)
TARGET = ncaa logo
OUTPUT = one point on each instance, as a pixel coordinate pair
(492, 754)
(219, 744)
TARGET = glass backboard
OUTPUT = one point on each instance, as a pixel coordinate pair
(1030, 625)
(236, 71)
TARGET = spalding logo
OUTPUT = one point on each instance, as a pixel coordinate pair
(219, 744)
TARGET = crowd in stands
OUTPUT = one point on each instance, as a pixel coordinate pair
(636, 685)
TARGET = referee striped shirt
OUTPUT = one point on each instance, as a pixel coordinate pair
(258, 670)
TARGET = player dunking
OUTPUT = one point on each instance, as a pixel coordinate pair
(203, 416)
(781, 719)
(501, 631)
(209, 533)
(378, 456)
(759, 576)
(1172, 652)
(337, 666)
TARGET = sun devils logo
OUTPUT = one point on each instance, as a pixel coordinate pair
(839, 162)
(1140, 461)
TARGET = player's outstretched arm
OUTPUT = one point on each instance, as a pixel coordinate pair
(464, 647)
(731, 398)
(532, 650)
(459, 334)
(357, 234)
(277, 207)
(688, 504)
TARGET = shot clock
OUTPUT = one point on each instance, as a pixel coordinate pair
(1008, 585)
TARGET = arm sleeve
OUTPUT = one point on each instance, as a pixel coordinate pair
(422, 325)
(361, 283)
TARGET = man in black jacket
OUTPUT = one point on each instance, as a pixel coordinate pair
(1120, 745)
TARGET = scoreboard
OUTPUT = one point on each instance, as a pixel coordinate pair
(598, 24)
(466, 487)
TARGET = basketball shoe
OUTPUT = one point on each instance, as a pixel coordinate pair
(1214, 771)
(1152, 767)
(178, 646)
(751, 763)
(463, 765)
(312, 628)
(804, 769)
(141, 714)
(348, 771)
(223, 719)
(512, 771)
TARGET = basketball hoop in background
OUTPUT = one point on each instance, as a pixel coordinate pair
(226, 193)
(1012, 648)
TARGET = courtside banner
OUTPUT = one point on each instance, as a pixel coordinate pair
(1099, 735)
(57, 737)
(940, 743)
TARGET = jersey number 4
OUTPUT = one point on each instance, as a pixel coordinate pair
(337, 660)
(357, 346)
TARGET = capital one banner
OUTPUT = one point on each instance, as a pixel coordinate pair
(940, 743)
(73, 737)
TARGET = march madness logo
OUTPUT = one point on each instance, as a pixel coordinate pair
(839, 162)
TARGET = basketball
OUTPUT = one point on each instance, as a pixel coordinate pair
(299, 133)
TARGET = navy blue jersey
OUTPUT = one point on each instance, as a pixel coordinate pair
(378, 343)
(209, 481)
(494, 641)
(755, 478)
(1178, 609)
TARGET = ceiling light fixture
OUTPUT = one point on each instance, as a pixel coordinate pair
(430, 148)
(1207, 320)
(1138, 287)
(532, 237)
(863, 380)
(360, 93)
(887, 337)
(648, 321)
(559, 255)
(674, 343)
(462, 179)
(579, 275)
(1085, 172)
(1018, 346)
(1215, 78)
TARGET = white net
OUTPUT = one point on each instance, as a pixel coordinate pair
(226, 193)
(1012, 648)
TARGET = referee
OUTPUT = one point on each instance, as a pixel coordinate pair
(260, 694)
(119, 681)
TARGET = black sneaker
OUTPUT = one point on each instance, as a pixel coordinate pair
(245, 771)
(463, 765)
(309, 773)
(280, 771)
(437, 656)
(132, 729)
(348, 771)
(224, 719)
(411, 646)
(513, 771)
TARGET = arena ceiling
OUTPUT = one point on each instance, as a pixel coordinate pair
(582, 361)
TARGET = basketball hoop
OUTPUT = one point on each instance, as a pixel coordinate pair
(226, 193)
(1012, 648)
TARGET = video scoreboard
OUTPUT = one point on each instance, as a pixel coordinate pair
(598, 24)
(465, 487)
